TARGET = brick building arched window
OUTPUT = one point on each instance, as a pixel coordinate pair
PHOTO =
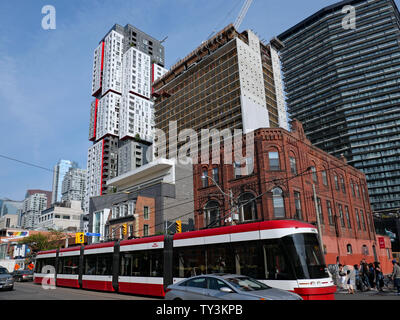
(278, 203)
(211, 214)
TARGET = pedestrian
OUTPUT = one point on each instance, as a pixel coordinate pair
(342, 277)
(371, 275)
(379, 276)
(350, 281)
(357, 277)
(396, 276)
(364, 274)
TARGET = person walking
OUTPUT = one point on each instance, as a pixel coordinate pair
(371, 275)
(342, 277)
(396, 276)
(350, 279)
(357, 278)
(364, 274)
(379, 276)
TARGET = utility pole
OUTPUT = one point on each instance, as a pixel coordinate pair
(318, 221)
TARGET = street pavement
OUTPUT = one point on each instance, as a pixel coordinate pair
(31, 291)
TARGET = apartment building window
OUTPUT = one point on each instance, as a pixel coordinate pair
(130, 230)
(363, 220)
(358, 220)
(321, 215)
(324, 178)
(349, 249)
(346, 209)
(330, 214)
(248, 209)
(274, 161)
(297, 205)
(145, 230)
(342, 184)
(146, 215)
(314, 174)
(293, 168)
(204, 178)
(340, 207)
(335, 178)
(215, 175)
(278, 203)
(352, 188)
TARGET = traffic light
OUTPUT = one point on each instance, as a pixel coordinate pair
(80, 237)
(178, 224)
(124, 229)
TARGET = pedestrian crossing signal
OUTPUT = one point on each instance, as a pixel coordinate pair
(178, 226)
(80, 237)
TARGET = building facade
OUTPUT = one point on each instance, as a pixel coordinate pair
(60, 170)
(232, 81)
(343, 83)
(66, 216)
(277, 183)
(35, 202)
(8, 206)
(125, 64)
(148, 200)
(74, 185)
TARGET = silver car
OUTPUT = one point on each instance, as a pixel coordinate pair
(6, 279)
(225, 287)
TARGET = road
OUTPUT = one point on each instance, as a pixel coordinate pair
(31, 291)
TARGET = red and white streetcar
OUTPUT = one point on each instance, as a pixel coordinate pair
(284, 254)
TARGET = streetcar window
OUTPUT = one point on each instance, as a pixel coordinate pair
(189, 262)
(41, 263)
(247, 259)
(98, 264)
(68, 265)
(276, 264)
(219, 259)
(306, 256)
(141, 264)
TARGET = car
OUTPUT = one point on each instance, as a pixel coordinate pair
(6, 279)
(225, 287)
(23, 275)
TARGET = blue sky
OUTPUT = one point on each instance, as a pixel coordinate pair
(45, 75)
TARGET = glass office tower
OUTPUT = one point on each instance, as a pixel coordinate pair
(343, 82)
(60, 169)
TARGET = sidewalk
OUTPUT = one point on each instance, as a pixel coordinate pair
(386, 292)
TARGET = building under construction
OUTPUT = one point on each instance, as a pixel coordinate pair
(231, 81)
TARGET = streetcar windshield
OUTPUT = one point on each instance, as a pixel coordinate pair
(305, 254)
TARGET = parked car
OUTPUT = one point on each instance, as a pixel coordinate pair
(23, 275)
(6, 279)
(225, 287)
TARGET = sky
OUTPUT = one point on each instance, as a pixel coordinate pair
(45, 75)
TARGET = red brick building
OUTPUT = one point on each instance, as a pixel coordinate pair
(280, 186)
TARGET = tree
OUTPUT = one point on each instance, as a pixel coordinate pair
(41, 241)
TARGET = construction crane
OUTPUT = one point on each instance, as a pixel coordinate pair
(239, 19)
(242, 14)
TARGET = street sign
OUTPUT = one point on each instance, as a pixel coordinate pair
(89, 234)
(79, 237)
